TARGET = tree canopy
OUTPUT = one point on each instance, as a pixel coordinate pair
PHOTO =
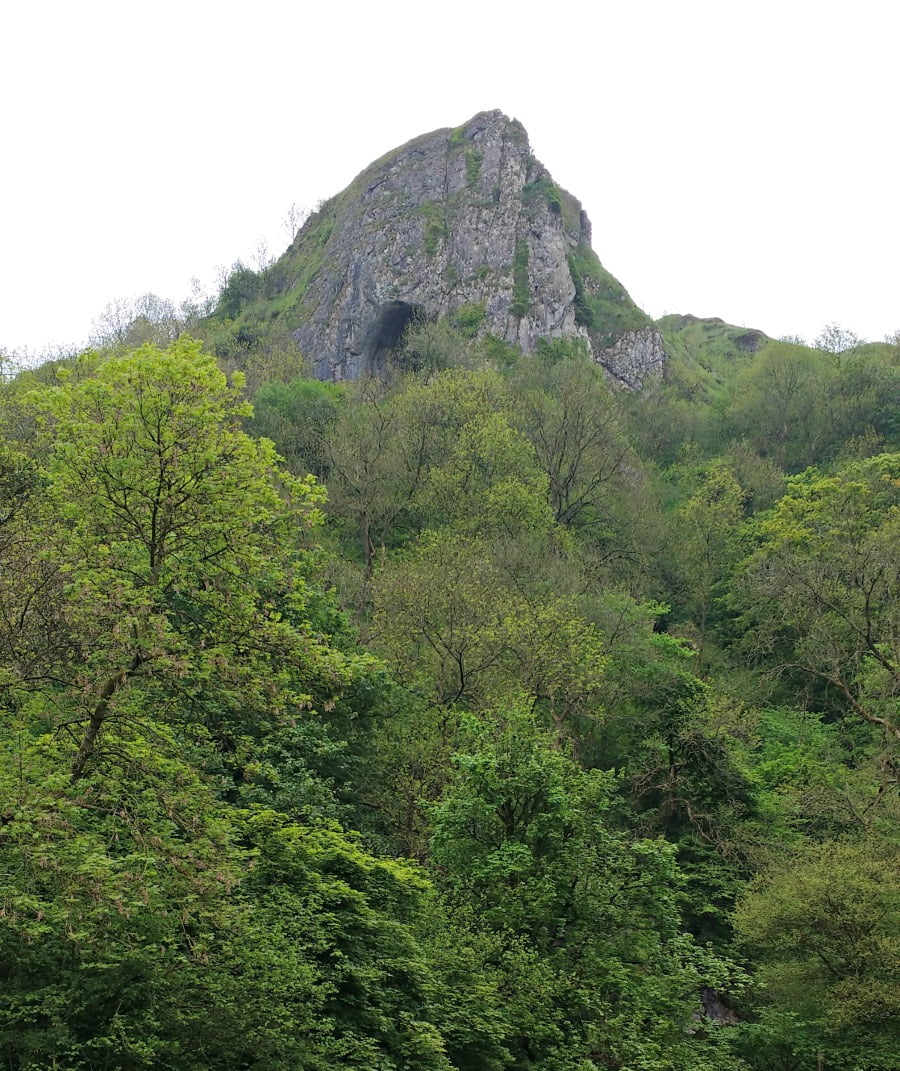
(478, 717)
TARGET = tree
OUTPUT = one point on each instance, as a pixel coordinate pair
(128, 323)
(457, 629)
(432, 346)
(780, 404)
(682, 775)
(598, 973)
(837, 341)
(179, 547)
(822, 924)
(240, 287)
(418, 454)
(170, 640)
(820, 594)
(487, 483)
(145, 924)
(706, 526)
(568, 413)
(864, 403)
(433, 623)
(298, 417)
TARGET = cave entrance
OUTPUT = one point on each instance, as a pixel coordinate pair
(385, 336)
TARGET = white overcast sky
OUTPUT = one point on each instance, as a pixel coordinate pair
(736, 159)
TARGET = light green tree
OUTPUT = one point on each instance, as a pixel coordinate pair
(820, 594)
(178, 545)
(172, 631)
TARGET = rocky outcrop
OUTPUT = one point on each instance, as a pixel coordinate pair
(463, 223)
(634, 357)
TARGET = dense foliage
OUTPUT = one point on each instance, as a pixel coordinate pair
(482, 717)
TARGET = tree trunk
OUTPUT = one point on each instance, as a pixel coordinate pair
(98, 717)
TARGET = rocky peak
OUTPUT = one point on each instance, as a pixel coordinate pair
(459, 222)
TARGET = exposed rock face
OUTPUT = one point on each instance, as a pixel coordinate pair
(459, 222)
(634, 357)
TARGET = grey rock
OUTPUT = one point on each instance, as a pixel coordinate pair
(634, 357)
(457, 219)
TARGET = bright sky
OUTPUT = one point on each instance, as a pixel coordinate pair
(736, 160)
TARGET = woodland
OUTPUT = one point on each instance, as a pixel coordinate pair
(485, 716)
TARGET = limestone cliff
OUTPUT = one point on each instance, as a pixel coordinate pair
(462, 222)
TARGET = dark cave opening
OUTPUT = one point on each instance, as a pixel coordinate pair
(385, 336)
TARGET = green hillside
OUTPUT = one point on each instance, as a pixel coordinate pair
(506, 720)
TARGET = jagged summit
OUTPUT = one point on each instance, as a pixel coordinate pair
(459, 221)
